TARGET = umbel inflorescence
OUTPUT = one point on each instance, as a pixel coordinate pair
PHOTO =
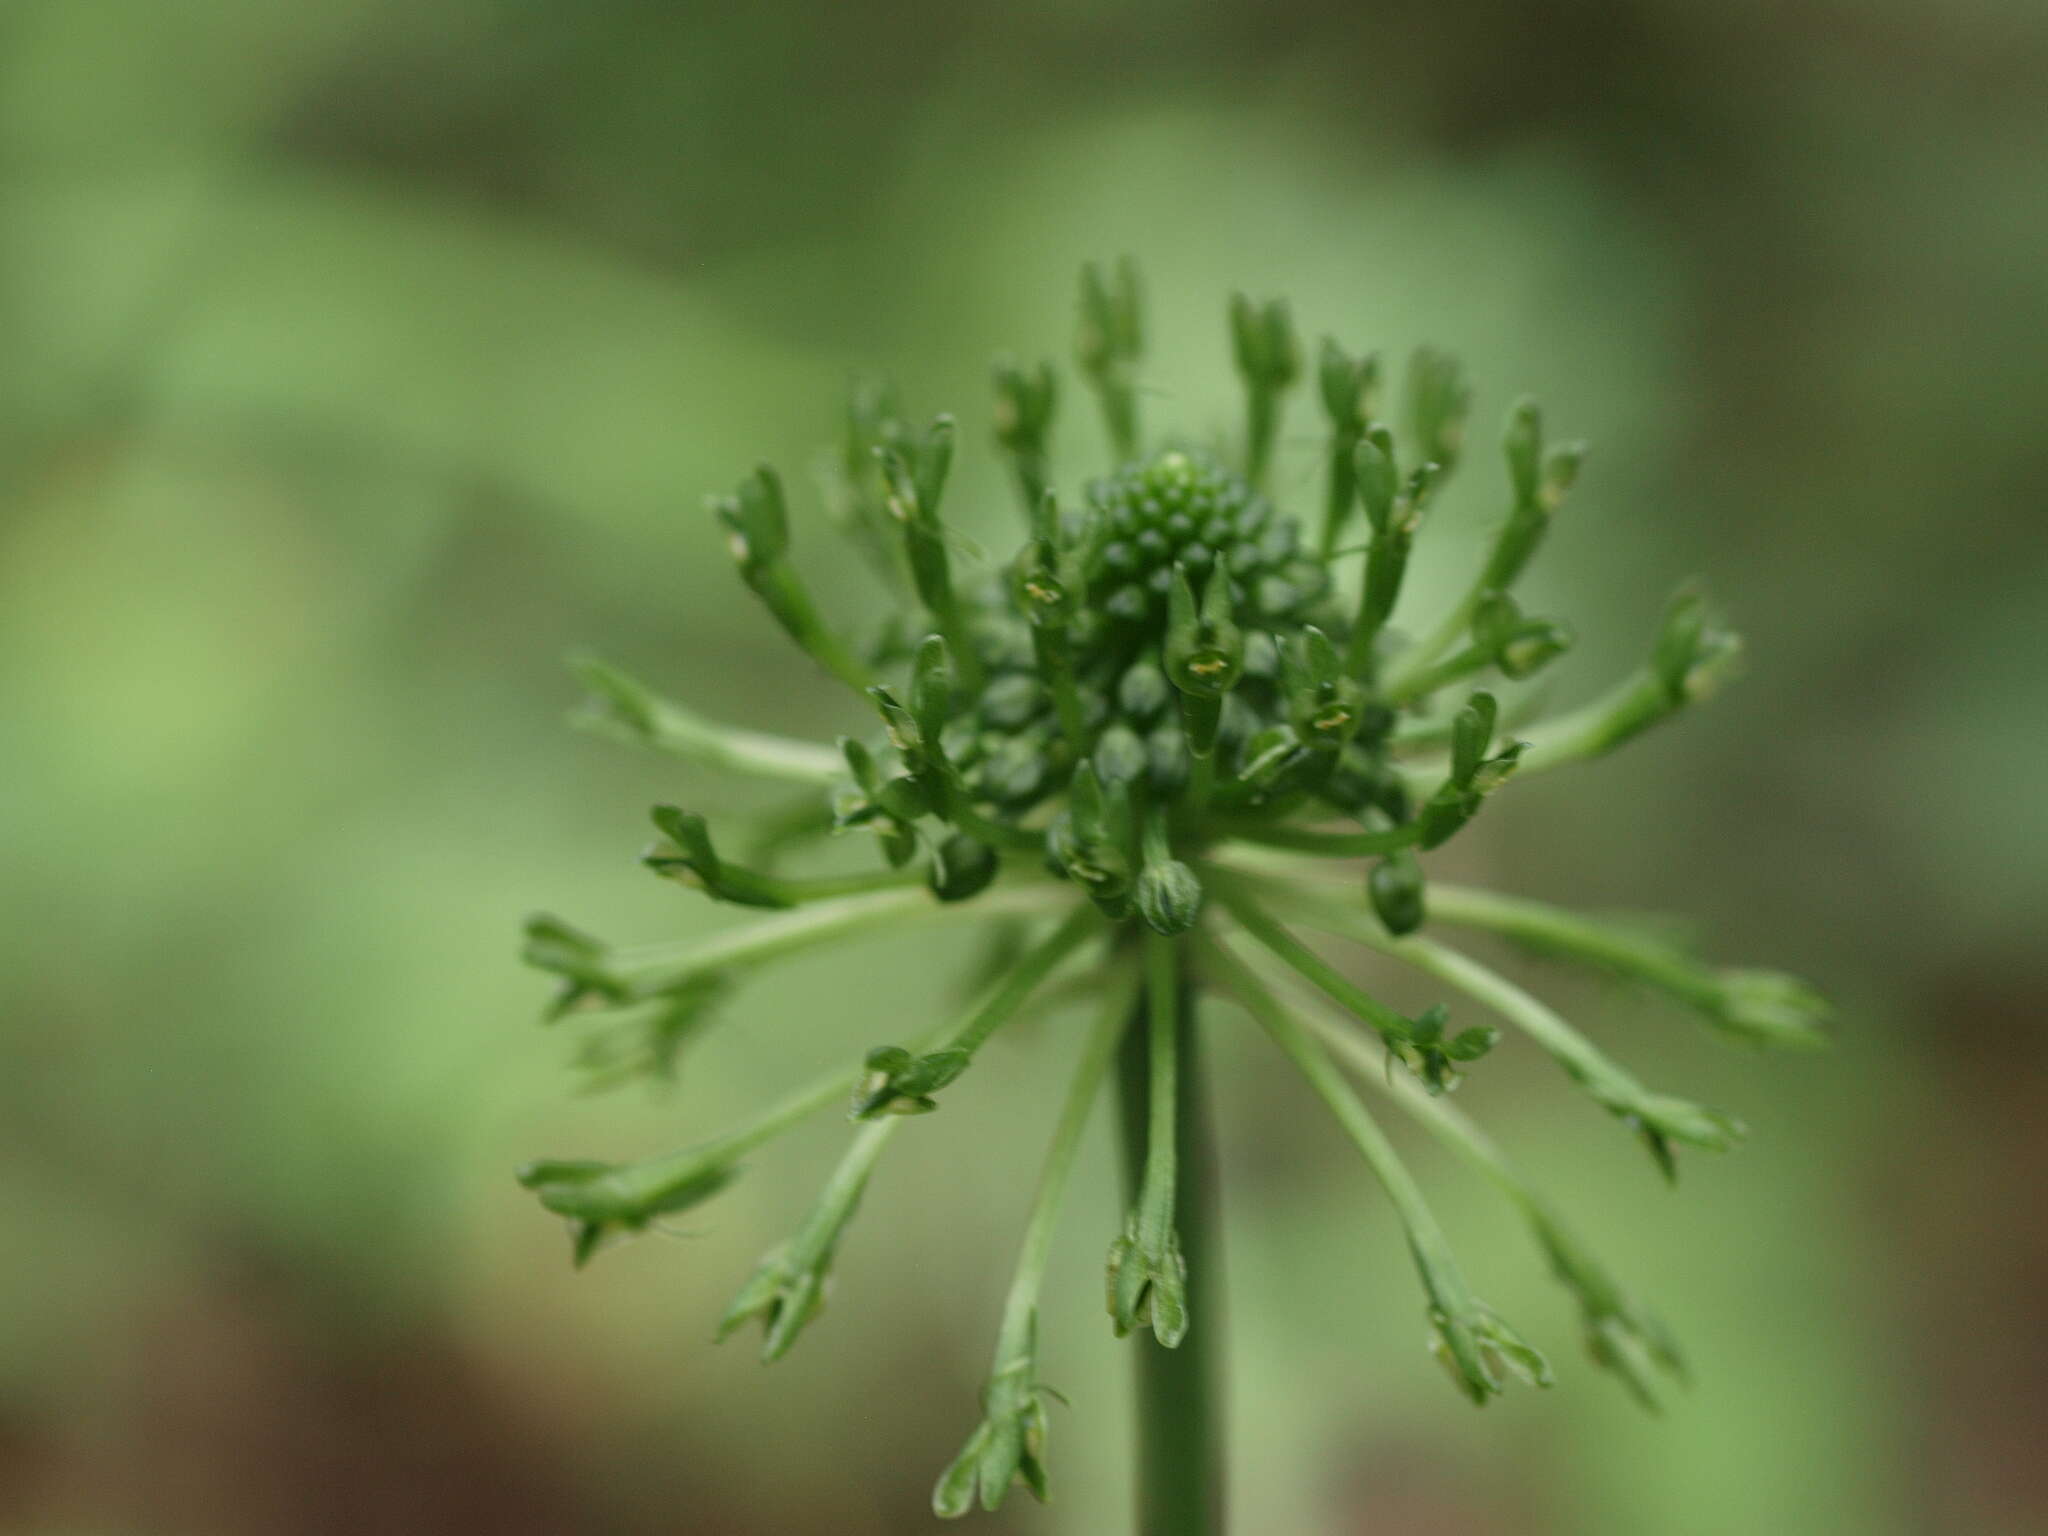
(1180, 726)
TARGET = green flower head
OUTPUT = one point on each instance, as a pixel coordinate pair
(1181, 728)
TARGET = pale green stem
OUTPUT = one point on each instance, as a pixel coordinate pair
(1020, 1308)
(655, 967)
(1555, 930)
(1162, 986)
(1022, 978)
(1438, 1267)
(1607, 1081)
(626, 710)
(1260, 924)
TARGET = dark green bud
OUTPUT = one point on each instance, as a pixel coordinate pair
(1015, 769)
(1143, 691)
(1119, 754)
(1012, 700)
(1396, 887)
(961, 868)
(1169, 896)
(1167, 758)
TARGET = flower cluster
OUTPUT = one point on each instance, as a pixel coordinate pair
(1159, 743)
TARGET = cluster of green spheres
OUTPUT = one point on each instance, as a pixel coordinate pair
(1179, 511)
(1183, 508)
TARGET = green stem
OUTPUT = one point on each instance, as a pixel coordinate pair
(1432, 1250)
(622, 707)
(1418, 658)
(1022, 979)
(1336, 845)
(1427, 680)
(1180, 1432)
(651, 969)
(1021, 1307)
(1331, 982)
(1262, 420)
(1552, 930)
(1056, 665)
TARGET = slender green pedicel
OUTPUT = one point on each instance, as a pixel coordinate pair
(1178, 728)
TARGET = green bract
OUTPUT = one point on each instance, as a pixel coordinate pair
(1179, 727)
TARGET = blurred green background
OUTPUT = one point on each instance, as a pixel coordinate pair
(360, 359)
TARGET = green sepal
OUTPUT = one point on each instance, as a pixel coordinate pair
(1349, 386)
(1523, 446)
(1204, 652)
(1204, 647)
(1695, 654)
(897, 1082)
(1023, 422)
(1769, 1008)
(646, 1043)
(757, 535)
(1378, 480)
(931, 687)
(1436, 1057)
(1324, 703)
(1621, 1336)
(756, 520)
(689, 858)
(1089, 842)
(1479, 1350)
(1438, 400)
(783, 1295)
(580, 960)
(1007, 1446)
(600, 1199)
(1473, 774)
(1262, 340)
(876, 795)
(1660, 1119)
(1110, 342)
(1146, 1283)
(1518, 645)
(1112, 328)
(787, 1288)
(1044, 584)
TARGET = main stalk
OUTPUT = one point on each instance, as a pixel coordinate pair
(1180, 1419)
